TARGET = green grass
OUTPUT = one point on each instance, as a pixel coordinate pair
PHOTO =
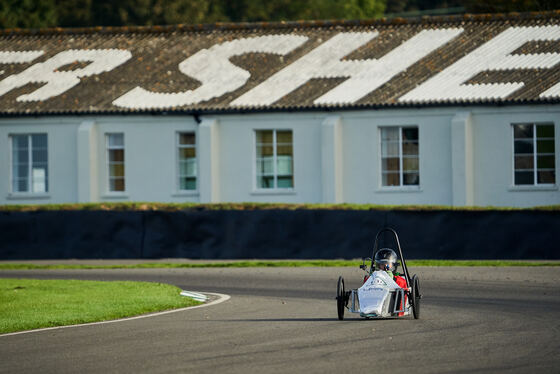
(30, 304)
(139, 206)
(272, 263)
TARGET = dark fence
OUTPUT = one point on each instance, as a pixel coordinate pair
(276, 234)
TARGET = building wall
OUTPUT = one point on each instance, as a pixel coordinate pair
(465, 157)
(362, 157)
(237, 157)
(150, 157)
(62, 169)
(493, 161)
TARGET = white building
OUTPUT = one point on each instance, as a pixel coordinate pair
(455, 111)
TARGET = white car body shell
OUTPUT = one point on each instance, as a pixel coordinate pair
(374, 295)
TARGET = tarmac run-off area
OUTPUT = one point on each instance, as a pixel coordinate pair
(280, 320)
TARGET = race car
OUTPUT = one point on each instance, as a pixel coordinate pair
(384, 293)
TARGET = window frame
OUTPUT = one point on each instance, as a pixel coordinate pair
(108, 148)
(178, 175)
(535, 184)
(275, 189)
(401, 186)
(29, 192)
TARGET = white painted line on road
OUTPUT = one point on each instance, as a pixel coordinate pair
(220, 299)
(194, 295)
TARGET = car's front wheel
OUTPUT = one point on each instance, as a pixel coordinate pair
(340, 298)
(415, 296)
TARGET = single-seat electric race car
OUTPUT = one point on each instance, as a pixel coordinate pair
(384, 293)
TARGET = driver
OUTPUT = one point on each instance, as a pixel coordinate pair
(386, 260)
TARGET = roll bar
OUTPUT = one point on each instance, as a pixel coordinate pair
(375, 248)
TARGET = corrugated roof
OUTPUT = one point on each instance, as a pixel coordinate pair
(456, 60)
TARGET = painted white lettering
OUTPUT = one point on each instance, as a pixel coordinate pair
(493, 55)
(364, 76)
(322, 62)
(18, 57)
(213, 69)
(57, 82)
(553, 91)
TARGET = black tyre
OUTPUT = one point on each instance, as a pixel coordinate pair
(415, 297)
(340, 302)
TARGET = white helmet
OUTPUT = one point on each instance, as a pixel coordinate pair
(386, 259)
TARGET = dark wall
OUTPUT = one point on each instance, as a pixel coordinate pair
(270, 234)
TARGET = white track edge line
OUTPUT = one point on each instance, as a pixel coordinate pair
(221, 299)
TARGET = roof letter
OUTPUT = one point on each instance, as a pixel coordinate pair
(20, 57)
(364, 76)
(449, 85)
(58, 82)
(214, 70)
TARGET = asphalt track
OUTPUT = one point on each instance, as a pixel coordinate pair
(280, 320)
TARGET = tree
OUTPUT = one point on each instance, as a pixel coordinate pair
(83, 13)
(27, 13)
(438, 6)
(505, 6)
(120, 13)
(73, 13)
(290, 10)
(180, 11)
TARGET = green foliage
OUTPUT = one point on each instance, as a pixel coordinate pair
(119, 13)
(28, 13)
(180, 11)
(399, 6)
(468, 6)
(136, 206)
(287, 10)
(31, 303)
(73, 13)
(506, 6)
(83, 13)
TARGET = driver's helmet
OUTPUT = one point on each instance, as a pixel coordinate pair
(386, 259)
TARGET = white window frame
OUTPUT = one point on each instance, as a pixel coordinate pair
(108, 148)
(29, 191)
(535, 184)
(401, 186)
(275, 189)
(178, 147)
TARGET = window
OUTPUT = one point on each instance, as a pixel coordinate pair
(187, 161)
(274, 159)
(30, 163)
(399, 156)
(115, 157)
(534, 154)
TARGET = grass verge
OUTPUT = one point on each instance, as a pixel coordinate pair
(272, 263)
(31, 303)
(143, 206)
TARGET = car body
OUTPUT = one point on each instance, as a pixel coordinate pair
(380, 296)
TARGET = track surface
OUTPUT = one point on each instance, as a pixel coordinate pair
(284, 320)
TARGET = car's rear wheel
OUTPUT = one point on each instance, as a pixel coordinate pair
(415, 296)
(340, 301)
